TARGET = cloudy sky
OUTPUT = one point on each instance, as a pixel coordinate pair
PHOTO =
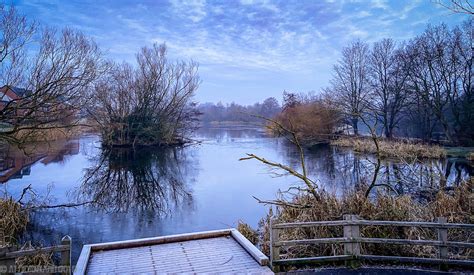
(248, 50)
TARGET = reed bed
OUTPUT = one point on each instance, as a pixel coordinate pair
(13, 221)
(470, 156)
(456, 207)
(401, 149)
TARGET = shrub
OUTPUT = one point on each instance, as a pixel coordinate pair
(313, 121)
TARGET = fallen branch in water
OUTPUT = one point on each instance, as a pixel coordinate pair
(282, 203)
(65, 205)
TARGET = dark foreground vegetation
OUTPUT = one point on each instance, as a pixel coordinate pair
(456, 206)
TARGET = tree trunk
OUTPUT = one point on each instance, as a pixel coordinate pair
(355, 122)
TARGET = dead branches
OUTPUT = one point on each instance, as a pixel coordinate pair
(292, 137)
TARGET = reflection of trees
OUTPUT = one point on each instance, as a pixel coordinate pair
(144, 179)
(16, 161)
(344, 170)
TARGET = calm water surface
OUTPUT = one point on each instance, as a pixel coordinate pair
(153, 192)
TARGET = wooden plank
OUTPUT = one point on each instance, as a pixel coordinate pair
(417, 260)
(309, 224)
(314, 241)
(374, 223)
(314, 259)
(221, 254)
(372, 240)
(414, 242)
(66, 254)
(274, 250)
(249, 247)
(160, 240)
(351, 232)
(81, 265)
(418, 224)
(443, 239)
(21, 253)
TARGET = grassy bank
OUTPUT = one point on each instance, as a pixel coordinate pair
(455, 206)
(400, 149)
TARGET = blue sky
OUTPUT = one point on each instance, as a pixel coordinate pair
(248, 50)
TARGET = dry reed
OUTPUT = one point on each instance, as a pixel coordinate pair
(248, 232)
(456, 207)
(403, 149)
(470, 156)
(13, 220)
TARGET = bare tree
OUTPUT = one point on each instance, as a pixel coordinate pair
(350, 84)
(148, 105)
(57, 79)
(16, 32)
(388, 77)
(457, 6)
(291, 136)
(441, 76)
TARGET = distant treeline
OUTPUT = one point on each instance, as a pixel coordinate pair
(234, 112)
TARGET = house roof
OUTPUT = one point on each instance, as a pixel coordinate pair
(20, 92)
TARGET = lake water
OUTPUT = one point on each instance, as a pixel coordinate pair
(153, 192)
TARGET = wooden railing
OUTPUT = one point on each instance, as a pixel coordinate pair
(352, 241)
(8, 255)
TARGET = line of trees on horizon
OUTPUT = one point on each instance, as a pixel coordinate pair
(234, 112)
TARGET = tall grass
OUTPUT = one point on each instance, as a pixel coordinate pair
(470, 156)
(13, 221)
(456, 207)
(402, 149)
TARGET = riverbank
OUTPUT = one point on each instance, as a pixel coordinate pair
(387, 148)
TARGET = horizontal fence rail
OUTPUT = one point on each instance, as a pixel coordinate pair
(8, 256)
(352, 241)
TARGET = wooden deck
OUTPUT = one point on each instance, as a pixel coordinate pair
(220, 251)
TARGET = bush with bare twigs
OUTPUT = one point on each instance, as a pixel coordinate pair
(313, 120)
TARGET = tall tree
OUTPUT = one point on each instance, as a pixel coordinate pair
(55, 75)
(16, 32)
(388, 77)
(350, 82)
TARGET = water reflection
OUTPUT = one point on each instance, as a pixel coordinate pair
(342, 169)
(202, 187)
(142, 179)
(16, 162)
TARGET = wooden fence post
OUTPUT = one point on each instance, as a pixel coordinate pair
(274, 250)
(3, 241)
(352, 248)
(66, 255)
(443, 238)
